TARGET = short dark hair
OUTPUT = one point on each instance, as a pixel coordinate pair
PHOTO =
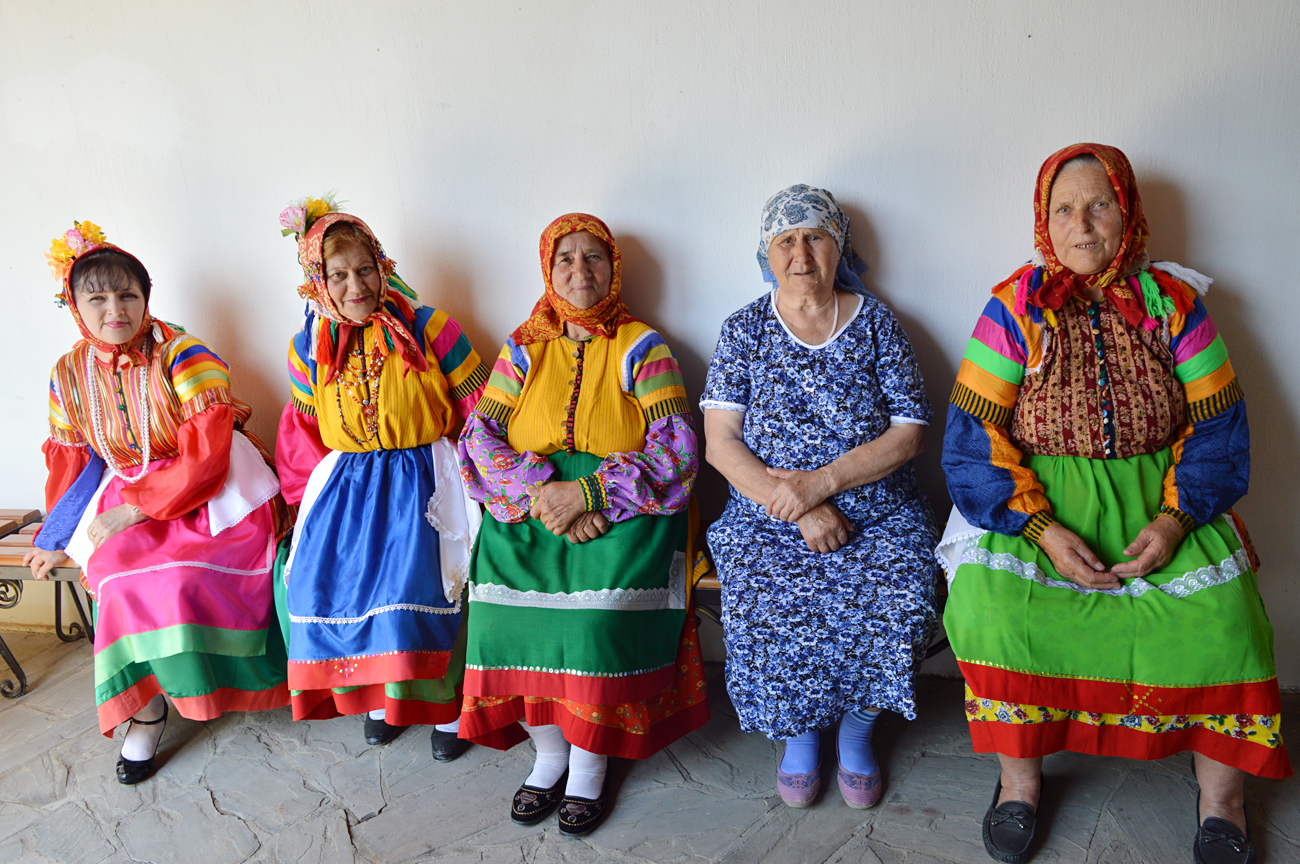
(111, 269)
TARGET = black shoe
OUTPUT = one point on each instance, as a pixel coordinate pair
(446, 745)
(531, 805)
(378, 732)
(1009, 829)
(132, 771)
(579, 816)
(1218, 841)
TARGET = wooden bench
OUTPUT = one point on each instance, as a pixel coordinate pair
(17, 531)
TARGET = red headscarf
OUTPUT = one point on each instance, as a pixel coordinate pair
(552, 310)
(335, 329)
(66, 250)
(1048, 286)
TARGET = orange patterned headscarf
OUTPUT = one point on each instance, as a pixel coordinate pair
(552, 310)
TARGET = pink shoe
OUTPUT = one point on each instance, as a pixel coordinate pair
(798, 790)
(860, 791)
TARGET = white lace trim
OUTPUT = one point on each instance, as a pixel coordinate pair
(584, 673)
(395, 607)
(608, 599)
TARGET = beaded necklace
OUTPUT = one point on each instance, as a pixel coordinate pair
(97, 420)
(367, 399)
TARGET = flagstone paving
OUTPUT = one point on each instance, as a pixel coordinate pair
(261, 788)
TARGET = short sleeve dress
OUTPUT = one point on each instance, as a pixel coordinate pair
(810, 636)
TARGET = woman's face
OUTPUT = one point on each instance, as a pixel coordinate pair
(581, 269)
(353, 281)
(112, 309)
(804, 259)
(1083, 219)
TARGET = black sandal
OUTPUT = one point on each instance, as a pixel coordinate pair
(531, 805)
(1009, 829)
(579, 816)
(379, 732)
(1218, 841)
(133, 771)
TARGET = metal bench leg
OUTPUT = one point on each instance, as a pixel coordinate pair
(75, 631)
(11, 591)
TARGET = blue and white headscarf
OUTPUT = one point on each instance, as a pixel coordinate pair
(803, 206)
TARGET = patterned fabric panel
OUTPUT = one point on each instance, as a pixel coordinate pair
(651, 373)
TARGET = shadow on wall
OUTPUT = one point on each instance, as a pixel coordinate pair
(223, 331)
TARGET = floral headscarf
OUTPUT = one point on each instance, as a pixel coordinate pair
(66, 249)
(802, 206)
(552, 311)
(309, 220)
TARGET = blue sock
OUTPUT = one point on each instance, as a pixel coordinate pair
(855, 742)
(801, 753)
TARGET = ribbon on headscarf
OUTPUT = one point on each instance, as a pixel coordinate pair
(803, 206)
(552, 311)
(394, 313)
(1128, 281)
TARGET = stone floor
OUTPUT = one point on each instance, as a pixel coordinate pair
(261, 788)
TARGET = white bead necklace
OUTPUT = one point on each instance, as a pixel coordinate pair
(97, 419)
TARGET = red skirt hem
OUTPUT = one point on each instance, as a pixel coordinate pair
(364, 671)
(326, 704)
(209, 706)
(586, 689)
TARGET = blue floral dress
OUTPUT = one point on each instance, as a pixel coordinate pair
(810, 636)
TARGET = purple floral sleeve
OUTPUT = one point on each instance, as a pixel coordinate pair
(494, 473)
(657, 480)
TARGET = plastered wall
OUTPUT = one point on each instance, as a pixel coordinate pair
(458, 130)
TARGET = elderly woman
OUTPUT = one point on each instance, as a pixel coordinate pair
(813, 410)
(584, 451)
(168, 506)
(1104, 600)
(371, 589)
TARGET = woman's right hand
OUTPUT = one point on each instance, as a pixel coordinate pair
(825, 529)
(1073, 559)
(42, 561)
(588, 526)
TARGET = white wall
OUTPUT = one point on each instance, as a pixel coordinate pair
(458, 130)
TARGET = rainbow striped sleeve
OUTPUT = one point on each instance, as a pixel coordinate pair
(651, 374)
(985, 477)
(198, 376)
(302, 374)
(460, 364)
(1212, 452)
(61, 428)
(505, 383)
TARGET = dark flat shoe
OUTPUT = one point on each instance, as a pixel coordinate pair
(446, 745)
(378, 732)
(531, 805)
(133, 771)
(1218, 841)
(579, 816)
(1009, 829)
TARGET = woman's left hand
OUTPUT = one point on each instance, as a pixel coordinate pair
(113, 521)
(1154, 546)
(558, 505)
(797, 493)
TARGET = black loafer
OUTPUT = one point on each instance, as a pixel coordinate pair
(531, 805)
(1009, 829)
(446, 745)
(1218, 841)
(378, 732)
(133, 771)
(579, 816)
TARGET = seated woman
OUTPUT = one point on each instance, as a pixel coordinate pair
(813, 410)
(584, 451)
(1104, 600)
(168, 506)
(370, 592)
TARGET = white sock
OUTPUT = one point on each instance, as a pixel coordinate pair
(586, 774)
(141, 741)
(552, 755)
(378, 715)
(449, 727)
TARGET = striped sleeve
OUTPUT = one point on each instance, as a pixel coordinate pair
(985, 478)
(651, 374)
(199, 377)
(465, 371)
(1211, 467)
(505, 383)
(302, 374)
(62, 430)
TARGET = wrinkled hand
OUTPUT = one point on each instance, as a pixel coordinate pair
(557, 505)
(1073, 559)
(588, 526)
(42, 561)
(113, 521)
(824, 528)
(1154, 546)
(797, 493)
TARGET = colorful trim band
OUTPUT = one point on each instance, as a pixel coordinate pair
(660, 410)
(1211, 406)
(1188, 523)
(979, 407)
(593, 493)
(1037, 524)
(494, 410)
(476, 379)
